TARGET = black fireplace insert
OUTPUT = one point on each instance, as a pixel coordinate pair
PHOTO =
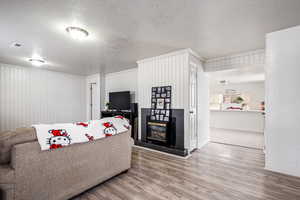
(158, 132)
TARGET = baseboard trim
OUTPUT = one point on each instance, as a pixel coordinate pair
(236, 145)
(168, 154)
(280, 172)
(203, 144)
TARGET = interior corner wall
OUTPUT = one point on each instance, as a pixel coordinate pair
(31, 96)
(282, 101)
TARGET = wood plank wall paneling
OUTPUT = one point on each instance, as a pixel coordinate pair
(169, 69)
(162, 71)
(30, 95)
(251, 58)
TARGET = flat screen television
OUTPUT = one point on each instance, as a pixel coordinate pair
(119, 100)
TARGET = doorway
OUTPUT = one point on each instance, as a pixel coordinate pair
(237, 107)
(93, 100)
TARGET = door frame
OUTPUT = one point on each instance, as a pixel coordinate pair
(194, 147)
(91, 107)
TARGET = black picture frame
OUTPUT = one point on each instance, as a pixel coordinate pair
(161, 98)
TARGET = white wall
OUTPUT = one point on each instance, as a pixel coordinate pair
(282, 101)
(126, 80)
(29, 96)
(252, 92)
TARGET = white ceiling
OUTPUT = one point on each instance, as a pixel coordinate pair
(124, 31)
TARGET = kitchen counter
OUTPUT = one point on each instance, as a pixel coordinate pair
(243, 120)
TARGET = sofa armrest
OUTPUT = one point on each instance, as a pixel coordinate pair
(7, 174)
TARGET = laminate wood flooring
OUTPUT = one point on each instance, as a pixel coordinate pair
(215, 172)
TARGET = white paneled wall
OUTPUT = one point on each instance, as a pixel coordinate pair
(170, 69)
(251, 58)
(29, 96)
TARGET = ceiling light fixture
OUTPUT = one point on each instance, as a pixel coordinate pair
(37, 61)
(16, 44)
(77, 33)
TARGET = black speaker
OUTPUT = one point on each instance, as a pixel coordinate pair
(134, 109)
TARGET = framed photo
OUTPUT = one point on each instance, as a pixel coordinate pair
(167, 113)
(167, 106)
(152, 112)
(160, 104)
(161, 118)
(169, 94)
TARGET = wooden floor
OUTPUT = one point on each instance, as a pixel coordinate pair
(216, 171)
(236, 137)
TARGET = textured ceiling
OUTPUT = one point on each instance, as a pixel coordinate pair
(124, 31)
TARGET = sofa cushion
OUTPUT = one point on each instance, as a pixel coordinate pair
(6, 174)
(9, 138)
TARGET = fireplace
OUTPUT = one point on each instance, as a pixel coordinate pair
(157, 132)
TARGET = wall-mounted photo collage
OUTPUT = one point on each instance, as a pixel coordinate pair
(161, 103)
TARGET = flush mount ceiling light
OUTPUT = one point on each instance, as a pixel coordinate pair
(16, 45)
(37, 61)
(77, 33)
(223, 82)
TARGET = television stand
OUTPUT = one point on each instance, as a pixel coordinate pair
(132, 117)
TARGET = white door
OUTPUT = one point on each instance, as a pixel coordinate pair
(93, 107)
(193, 108)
